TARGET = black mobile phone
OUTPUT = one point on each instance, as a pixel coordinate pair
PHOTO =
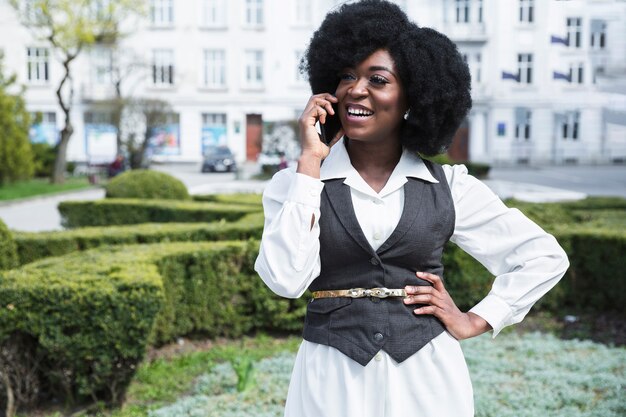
(329, 129)
(323, 135)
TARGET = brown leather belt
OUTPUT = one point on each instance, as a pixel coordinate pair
(361, 292)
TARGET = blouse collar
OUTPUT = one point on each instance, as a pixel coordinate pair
(337, 165)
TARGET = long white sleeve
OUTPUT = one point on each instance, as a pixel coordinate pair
(526, 261)
(289, 259)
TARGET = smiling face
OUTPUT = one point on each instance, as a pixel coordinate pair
(371, 100)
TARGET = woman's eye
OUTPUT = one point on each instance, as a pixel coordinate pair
(346, 76)
(377, 79)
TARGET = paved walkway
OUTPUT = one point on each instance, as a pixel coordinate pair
(40, 213)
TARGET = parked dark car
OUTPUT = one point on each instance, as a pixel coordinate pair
(219, 159)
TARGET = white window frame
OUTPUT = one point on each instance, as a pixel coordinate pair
(163, 70)
(525, 68)
(254, 76)
(525, 127)
(162, 13)
(102, 65)
(576, 73)
(526, 11)
(302, 12)
(462, 11)
(570, 126)
(32, 14)
(254, 15)
(598, 38)
(574, 32)
(479, 10)
(37, 65)
(213, 14)
(214, 68)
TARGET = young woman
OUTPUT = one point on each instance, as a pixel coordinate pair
(362, 222)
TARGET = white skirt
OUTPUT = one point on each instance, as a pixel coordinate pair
(434, 382)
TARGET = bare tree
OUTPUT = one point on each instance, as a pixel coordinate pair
(69, 26)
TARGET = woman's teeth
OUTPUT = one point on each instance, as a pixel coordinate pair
(359, 112)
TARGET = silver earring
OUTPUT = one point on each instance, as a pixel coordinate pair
(406, 115)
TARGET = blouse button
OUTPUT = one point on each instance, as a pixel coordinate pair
(379, 337)
(378, 357)
(374, 261)
(376, 236)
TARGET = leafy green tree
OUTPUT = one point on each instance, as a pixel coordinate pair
(70, 26)
(16, 157)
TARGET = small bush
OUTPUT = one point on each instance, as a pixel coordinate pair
(44, 156)
(146, 184)
(109, 212)
(8, 248)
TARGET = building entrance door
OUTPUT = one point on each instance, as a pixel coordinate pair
(254, 136)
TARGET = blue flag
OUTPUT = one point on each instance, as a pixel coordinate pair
(558, 39)
(510, 76)
(560, 76)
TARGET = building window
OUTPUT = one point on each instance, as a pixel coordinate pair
(299, 78)
(473, 61)
(162, 12)
(526, 11)
(574, 27)
(302, 12)
(31, 11)
(525, 68)
(213, 13)
(102, 64)
(576, 73)
(254, 12)
(462, 11)
(522, 124)
(163, 67)
(479, 10)
(213, 131)
(598, 34)
(569, 126)
(254, 69)
(38, 65)
(214, 68)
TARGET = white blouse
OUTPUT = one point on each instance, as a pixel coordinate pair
(526, 261)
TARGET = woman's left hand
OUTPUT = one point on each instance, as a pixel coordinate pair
(439, 303)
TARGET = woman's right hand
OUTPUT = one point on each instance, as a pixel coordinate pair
(319, 108)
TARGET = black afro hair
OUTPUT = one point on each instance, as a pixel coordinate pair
(434, 76)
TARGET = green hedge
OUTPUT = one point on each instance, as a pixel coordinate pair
(109, 212)
(238, 198)
(92, 314)
(8, 248)
(33, 246)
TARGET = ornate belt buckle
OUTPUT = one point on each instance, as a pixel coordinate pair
(380, 292)
(357, 292)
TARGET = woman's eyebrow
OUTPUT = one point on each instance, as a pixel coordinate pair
(381, 68)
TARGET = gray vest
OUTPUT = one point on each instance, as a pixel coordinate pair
(360, 327)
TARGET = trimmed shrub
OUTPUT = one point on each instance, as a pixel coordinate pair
(90, 317)
(33, 246)
(143, 183)
(93, 313)
(109, 212)
(8, 248)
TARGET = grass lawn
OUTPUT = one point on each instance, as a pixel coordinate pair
(514, 375)
(40, 186)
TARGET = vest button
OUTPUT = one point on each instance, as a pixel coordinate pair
(379, 337)
(374, 261)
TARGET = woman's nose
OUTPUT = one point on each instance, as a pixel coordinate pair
(359, 88)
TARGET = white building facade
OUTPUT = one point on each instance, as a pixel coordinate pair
(547, 76)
